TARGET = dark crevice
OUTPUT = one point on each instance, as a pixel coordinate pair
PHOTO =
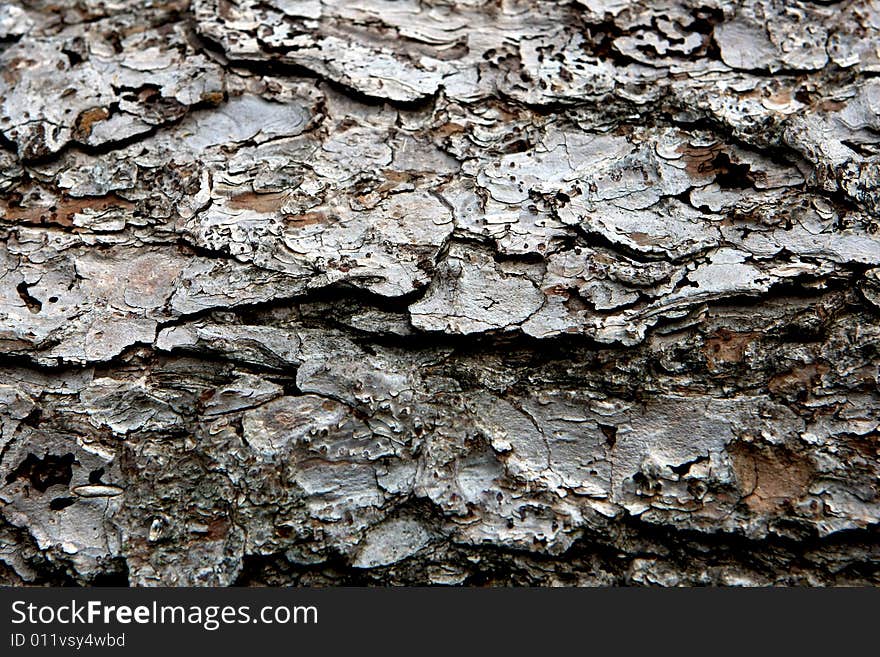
(44, 472)
(33, 304)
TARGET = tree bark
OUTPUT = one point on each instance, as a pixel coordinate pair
(480, 292)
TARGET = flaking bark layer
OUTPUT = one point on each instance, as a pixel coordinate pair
(479, 292)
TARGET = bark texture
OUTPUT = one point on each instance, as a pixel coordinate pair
(476, 292)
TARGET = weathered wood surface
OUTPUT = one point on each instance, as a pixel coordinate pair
(488, 291)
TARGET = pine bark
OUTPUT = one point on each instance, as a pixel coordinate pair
(480, 292)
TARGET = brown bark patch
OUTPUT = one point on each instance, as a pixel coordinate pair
(273, 203)
(11, 73)
(449, 129)
(643, 239)
(88, 118)
(797, 382)
(61, 213)
(770, 477)
(309, 218)
(268, 203)
(699, 160)
(727, 347)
